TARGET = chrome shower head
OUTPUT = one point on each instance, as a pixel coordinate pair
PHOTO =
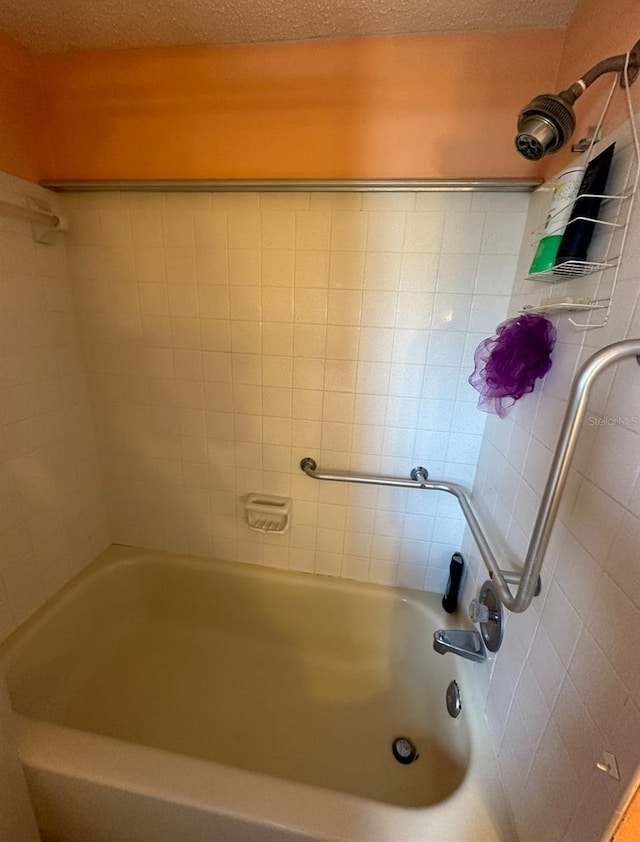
(548, 121)
(544, 125)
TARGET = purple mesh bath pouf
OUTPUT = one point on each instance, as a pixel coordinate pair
(509, 363)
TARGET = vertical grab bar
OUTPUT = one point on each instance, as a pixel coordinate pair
(549, 502)
(561, 463)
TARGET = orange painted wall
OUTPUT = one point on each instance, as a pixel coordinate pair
(24, 144)
(432, 106)
(597, 30)
(436, 106)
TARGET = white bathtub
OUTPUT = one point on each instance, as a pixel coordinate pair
(170, 698)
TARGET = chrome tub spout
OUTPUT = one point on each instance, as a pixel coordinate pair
(467, 644)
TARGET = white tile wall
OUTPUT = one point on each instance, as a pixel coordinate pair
(53, 515)
(567, 687)
(227, 336)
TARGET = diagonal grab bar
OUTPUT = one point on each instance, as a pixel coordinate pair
(551, 496)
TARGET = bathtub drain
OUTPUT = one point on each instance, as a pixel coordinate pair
(404, 750)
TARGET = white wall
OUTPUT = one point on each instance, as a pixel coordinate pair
(53, 517)
(229, 335)
(566, 684)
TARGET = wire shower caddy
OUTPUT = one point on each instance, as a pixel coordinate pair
(622, 204)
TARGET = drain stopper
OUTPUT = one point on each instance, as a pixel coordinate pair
(404, 750)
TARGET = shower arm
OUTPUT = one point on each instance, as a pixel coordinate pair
(614, 64)
(527, 580)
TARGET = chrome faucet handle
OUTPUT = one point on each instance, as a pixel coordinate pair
(478, 612)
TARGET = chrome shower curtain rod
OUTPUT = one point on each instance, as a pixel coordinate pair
(293, 185)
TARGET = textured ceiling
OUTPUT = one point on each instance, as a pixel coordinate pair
(47, 26)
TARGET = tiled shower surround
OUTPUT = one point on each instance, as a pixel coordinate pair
(566, 685)
(53, 514)
(229, 335)
(226, 336)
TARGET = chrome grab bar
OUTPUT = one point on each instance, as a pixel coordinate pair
(308, 465)
(527, 581)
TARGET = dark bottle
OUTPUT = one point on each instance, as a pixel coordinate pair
(456, 570)
(579, 231)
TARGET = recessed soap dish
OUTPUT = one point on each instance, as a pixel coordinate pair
(268, 513)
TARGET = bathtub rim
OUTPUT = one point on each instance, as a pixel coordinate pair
(47, 749)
